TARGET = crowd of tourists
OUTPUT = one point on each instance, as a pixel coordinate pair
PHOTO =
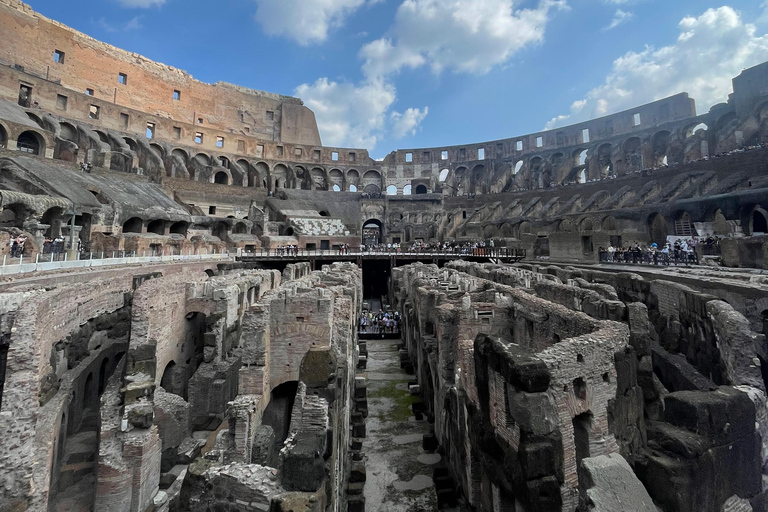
(379, 323)
(53, 245)
(436, 247)
(681, 252)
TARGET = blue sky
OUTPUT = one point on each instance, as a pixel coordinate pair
(388, 74)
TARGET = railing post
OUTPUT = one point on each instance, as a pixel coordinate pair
(37, 258)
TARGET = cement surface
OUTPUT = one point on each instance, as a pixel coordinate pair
(399, 479)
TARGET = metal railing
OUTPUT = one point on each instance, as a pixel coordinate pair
(352, 252)
(60, 261)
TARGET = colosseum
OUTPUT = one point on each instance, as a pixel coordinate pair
(202, 308)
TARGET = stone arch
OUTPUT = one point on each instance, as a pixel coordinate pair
(13, 215)
(221, 178)
(156, 226)
(203, 159)
(684, 224)
(353, 177)
(478, 187)
(36, 119)
(443, 175)
(407, 190)
(420, 189)
(179, 228)
(180, 153)
(336, 179)
(694, 129)
(604, 160)
(3, 136)
(391, 190)
(660, 144)
(372, 178)
(240, 228)
(724, 120)
(608, 224)
(53, 218)
(633, 154)
(373, 231)
(460, 185)
(133, 225)
(257, 174)
(586, 225)
(319, 178)
(758, 223)
(159, 150)
(279, 177)
(30, 142)
(658, 228)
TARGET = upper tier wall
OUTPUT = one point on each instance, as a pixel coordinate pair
(31, 40)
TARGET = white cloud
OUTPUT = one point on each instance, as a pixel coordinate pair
(408, 122)
(469, 36)
(304, 21)
(132, 24)
(709, 52)
(619, 17)
(141, 3)
(350, 115)
(763, 19)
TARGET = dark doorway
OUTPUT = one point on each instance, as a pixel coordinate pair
(278, 414)
(372, 232)
(582, 428)
(376, 278)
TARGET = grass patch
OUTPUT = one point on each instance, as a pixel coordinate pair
(402, 401)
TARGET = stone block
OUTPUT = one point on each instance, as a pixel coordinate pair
(611, 485)
(533, 412)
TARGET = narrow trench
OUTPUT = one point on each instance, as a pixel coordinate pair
(399, 470)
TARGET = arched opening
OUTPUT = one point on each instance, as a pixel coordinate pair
(352, 188)
(179, 228)
(698, 129)
(181, 154)
(319, 182)
(633, 155)
(3, 137)
(372, 189)
(220, 230)
(759, 223)
(582, 176)
(241, 228)
(221, 178)
(391, 190)
(158, 150)
(582, 157)
(421, 189)
(604, 160)
(353, 178)
(157, 227)
(203, 159)
(407, 190)
(609, 224)
(224, 162)
(103, 375)
(30, 142)
(518, 166)
(336, 188)
(324, 213)
(53, 218)
(443, 175)
(372, 232)
(658, 230)
(278, 415)
(683, 225)
(132, 225)
(660, 145)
